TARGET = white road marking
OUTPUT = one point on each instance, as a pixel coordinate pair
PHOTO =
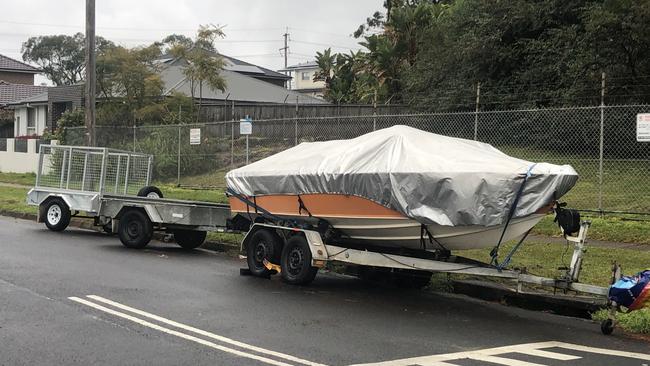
(180, 334)
(549, 354)
(203, 332)
(501, 360)
(534, 349)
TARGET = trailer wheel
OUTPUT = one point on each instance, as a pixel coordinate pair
(296, 262)
(57, 214)
(607, 326)
(150, 192)
(189, 239)
(135, 229)
(264, 244)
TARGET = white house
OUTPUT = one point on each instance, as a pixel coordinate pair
(30, 115)
(303, 79)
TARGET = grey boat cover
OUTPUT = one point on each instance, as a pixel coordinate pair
(427, 177)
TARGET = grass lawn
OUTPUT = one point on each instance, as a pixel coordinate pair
(27, 179)
(14, 199)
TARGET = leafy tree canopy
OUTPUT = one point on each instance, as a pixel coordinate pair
(432, 54)
(61, 57)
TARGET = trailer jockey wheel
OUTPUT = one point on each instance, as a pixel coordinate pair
(607, 326)
(264, 244)
(296, 262)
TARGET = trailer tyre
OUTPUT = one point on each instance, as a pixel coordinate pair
(135, 229)
(296, 262)
(189, 239)
(150, 192)
(264, 244)
(57, 214)
(607, 326)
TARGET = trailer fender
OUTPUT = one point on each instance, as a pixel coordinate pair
(150, 210)
(314, 240)
(41, 205)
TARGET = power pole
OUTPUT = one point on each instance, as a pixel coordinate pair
(286, 52)
(90, 73)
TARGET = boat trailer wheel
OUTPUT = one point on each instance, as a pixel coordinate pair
(296, 260)
(260, 251)
(264, 244)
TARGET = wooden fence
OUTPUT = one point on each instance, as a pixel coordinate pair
(229, 111)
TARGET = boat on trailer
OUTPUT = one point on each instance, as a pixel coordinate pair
(401, 187)
(360, 221)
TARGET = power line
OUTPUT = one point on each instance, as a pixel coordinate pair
(81, 27)
(326, 44)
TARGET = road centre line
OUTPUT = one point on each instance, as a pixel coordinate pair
(180, 334)
(533, 349)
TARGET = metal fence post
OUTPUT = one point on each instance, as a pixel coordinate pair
(374, 113)
(232, 135)
(178, 159)
(295, 125)
(602, 143)
(478, 100)
(134, 134)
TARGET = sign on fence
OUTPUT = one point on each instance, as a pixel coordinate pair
(643, 127)
(246, 126)
(195, 136)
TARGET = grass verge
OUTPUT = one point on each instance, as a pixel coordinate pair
(544, 258)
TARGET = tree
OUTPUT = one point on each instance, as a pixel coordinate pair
(202, 64)
(392, 43)
(61, 57)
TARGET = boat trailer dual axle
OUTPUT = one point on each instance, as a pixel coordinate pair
(322, 254)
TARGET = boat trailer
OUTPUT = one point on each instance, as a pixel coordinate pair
(322, 254)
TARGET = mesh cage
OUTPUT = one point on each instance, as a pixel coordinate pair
(92, 169)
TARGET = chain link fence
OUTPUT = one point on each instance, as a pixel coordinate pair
(599, 142)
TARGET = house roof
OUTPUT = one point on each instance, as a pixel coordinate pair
(15, 92)
(34, 99)
(303, 65)
(9, 64)
(240, 87)
(237, 65)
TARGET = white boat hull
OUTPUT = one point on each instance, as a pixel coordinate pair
(406, 233)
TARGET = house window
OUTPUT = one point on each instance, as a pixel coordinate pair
(305, 75)
(31, 121)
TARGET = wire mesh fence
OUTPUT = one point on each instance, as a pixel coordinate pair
(599, 142)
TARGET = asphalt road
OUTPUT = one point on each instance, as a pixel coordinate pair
(164, 306)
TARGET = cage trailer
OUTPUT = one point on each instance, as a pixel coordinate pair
(113, 188)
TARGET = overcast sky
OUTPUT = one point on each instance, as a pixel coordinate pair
(253, 28)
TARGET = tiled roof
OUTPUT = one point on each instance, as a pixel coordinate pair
(38, 98)
(7, 63)
(15, 92)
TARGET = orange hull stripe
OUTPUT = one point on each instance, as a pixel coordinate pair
(321, 205)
